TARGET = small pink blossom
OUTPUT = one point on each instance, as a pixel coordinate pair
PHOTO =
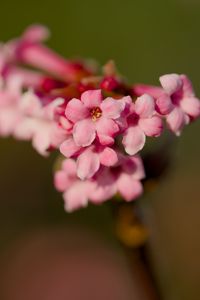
(94, 117)
(178, 101)
(175, 101)
(124, 178)
(38, 123)
(76, 193)
(10, 94)
(89, 159)
(142, 122)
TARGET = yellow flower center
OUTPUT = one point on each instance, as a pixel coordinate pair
(96, 113)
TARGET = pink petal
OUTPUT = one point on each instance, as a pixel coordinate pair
(76, 196)
(36, 33)
(187, 86)
(61, 181)
(41, 139)
(133, 140)
(191, 106)
(154, 91)
(69, 166)
(108, 157)
(112, 108)
(176, 120)
(87, 164)
(139, 171)
(104, 187)
(171, 83)
(164, 104)
(68, 148)
(145, 106)
(84, 132)
(106, 130)
(128, 187)
(76, 111)
(92, 98)
(152, 126)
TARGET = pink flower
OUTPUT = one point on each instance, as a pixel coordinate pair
(178, 102)
(10, 94)
(89, 158)
(39, 124)
(142, 122)
(124, 178)
(76, 192)
(94, 117)
(29, 50)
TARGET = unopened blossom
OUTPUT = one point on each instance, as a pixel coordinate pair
(142, 121)
(94, 117)
(125, 179)
(39, 124)
(29, 50)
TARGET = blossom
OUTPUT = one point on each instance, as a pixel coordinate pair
(10, 94)
(29, 50)
(142, 122)
(94, 117)
(175, 100)
(178, 101)
(38, 123)
(76, 192)
(124, 178)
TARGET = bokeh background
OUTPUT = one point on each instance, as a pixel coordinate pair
(146, 39)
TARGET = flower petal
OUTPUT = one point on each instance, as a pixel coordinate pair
(61, 181)
(106, 130)
(92, 98)
(151, 126)
(105, 187)
(176, 120)
(191, 106)
(154, 91)
(87, 164)
(69, 166)
(76, 111)
(68, 148)
(133, 140)
(76, 196)
(145, 106)
(108, 157)
(187, 86)
(112, 108)
(164, 104)
(171, 83)
(128, 187)
(84, 132)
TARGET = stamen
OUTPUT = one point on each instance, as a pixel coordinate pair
(96, 113)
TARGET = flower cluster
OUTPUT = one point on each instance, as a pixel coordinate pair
(98, 123)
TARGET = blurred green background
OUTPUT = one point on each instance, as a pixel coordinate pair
(146, 39)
